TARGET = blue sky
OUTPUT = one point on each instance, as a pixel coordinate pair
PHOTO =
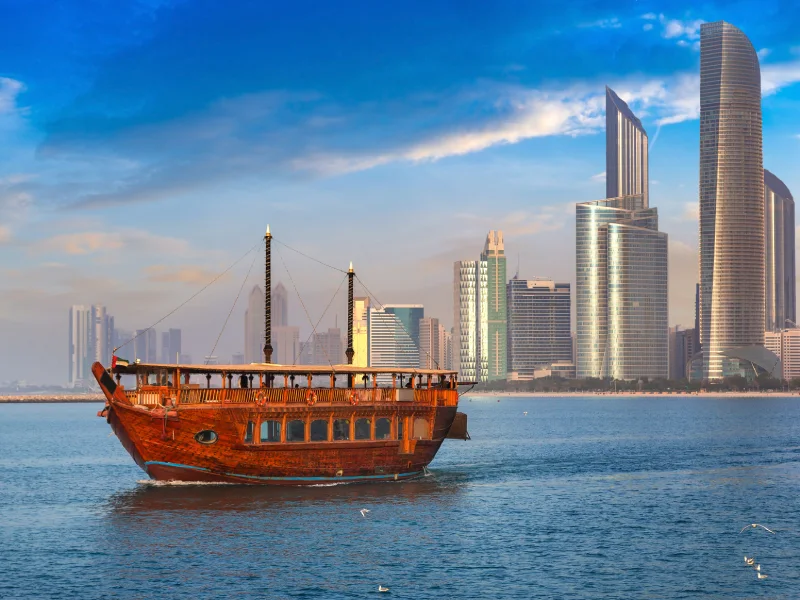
(147, 144)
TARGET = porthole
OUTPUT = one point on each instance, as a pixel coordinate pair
(206, 436)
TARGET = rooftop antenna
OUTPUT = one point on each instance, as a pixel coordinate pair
(516, 276)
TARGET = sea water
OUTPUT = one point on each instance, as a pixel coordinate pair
(592, 497)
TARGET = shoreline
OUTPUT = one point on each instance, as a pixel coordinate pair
(43, 399)
(631, 394)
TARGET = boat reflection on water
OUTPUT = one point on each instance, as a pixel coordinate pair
(153, 496)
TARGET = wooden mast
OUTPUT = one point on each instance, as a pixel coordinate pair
(268, 300)
(349, 353)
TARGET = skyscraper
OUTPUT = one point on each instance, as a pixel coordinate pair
(145, 346)
(539, 315)
(390, 342)
(254, 327)
(779, 255)
(496, 334)
(78, 344)
(360, 339)
(433, 342)
(328, 347)
(280, 306)
(731, 200)
(621, 266)
(626, 151)
(286, 345)
(466, 290)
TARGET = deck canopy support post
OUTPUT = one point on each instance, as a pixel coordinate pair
(309, 379)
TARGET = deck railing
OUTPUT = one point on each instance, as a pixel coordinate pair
(153, 395)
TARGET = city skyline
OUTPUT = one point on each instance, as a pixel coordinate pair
(517, 163)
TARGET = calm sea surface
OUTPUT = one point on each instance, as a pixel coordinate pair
(582, 498)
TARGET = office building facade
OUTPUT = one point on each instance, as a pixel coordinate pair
(467, 290)
(390, 343)
(779, 255)
(495, 343)
(360, 339)
(732, 278)
(539, 316)
(785, 344)
(626, 151)
(435, 345)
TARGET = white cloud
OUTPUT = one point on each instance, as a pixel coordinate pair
(650, 16)
(776, 76)
(685, 32)
(108, 243)
(193, 275)
(647, 26)
(610, 23)
(9, 90)
(764, 52)
(600, 177)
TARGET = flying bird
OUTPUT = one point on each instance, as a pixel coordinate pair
(382, 589)
(754, 525)
(761, 575)
(364, 512)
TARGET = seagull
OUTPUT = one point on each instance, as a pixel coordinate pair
(525, 413)
(364, 512)
(754, 525)
(761, 575)
(758, 567)
(749, 561)
(385, 589)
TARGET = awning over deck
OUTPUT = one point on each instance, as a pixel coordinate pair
(255, 368)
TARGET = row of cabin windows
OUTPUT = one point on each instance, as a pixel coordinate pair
(270, 431)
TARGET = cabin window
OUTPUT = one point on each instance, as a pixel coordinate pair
(400, 422)
(319, 431)
(206, 436)
(363, 427)
(270, 431)
(248, 433)
(296, 431)
(341, 429)
(383, 429)
(420, 428)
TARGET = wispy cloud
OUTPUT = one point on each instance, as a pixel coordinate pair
(600, 177)
(94, 242)
(193, 275)
(691, 211)
(609, 23)
(9, 90)
(685, 32)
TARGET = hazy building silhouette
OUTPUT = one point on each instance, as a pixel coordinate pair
(280, 306)
(286, 345)
(779, 254)
(731, 200)
(254, 327)
(434, 342)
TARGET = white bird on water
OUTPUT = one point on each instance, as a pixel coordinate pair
(761, 575)
(364, 512)
(754, 525)
(758, 567)
(749, 561)
(382, 589)
(525, 413)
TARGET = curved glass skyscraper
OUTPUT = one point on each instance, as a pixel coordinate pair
(779, 254)
(731, 199)
(626, 151)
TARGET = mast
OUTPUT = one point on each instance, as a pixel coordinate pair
(268, 299)
(349, 353)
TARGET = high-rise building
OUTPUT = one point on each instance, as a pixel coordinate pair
(170, 346)
(626, 151)
(621, 265)
(360, 339)
(731, 204)
(145, 346)
(280, 306)
(390, 342)
(496, 341)
(681, 350)
(328, 347)
(164, 358)
(467, 288)
(785, 344)
(286, 345)
(779, 254)
(538, 325)
(254, 327)
(78, 344)
(433, 344)
(101, 334)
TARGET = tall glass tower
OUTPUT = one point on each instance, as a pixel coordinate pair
(626, 151)
(494, 341)
(779, 254)
(731, 199)
(621, 264)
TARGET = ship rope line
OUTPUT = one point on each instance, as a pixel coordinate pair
(221, 331)
(192, 297)
(299, 297)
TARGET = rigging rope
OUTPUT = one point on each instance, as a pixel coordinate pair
(309, 257)
(192, 297)
(246, 277)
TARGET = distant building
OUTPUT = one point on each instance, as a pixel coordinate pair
(496, 344)
(539, 315)
(435, 344)
(681, 349)
(280, 306)
(78, 345)
(390, 342)
(469, 286)
(286, 345)
(237, 359)
(101, 334)
(254, 327)
(328, 347)
(779, 254)
(145, 346)
(170, 346)
(186, 359)
(360, 339)
(785, 344)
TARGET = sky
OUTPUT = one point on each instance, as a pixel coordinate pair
(145, 146)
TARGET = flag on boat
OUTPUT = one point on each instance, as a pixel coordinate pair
(118, 361)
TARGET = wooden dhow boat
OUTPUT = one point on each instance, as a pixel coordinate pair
(273, 424)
